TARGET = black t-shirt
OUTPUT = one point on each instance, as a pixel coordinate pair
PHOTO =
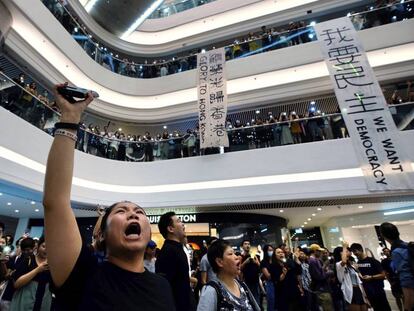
(289, 287)
(27, 264)
(105, 286)
(250, 271)
(271, 268)
(371, 266)
(172, 263)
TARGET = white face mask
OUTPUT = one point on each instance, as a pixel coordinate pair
(270, 253)
(284, 260)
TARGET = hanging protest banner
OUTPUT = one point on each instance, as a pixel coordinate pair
(212, 99)
(374, 135)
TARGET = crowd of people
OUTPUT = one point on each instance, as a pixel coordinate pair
(276, 128)
(217, 277)
(62, 272)
(381, 12)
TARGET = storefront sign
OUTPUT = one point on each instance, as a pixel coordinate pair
(212, 99)
(373, 132)
(185, 218)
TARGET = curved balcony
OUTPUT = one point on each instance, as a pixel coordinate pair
(272, 39)
(283, 125)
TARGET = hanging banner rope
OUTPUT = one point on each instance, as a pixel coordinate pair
(373, 132)
(212, 99)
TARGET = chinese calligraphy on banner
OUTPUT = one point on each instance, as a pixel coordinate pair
(372, 130)
(212, 99)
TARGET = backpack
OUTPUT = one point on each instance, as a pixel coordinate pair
(410, 248)
(222, 303)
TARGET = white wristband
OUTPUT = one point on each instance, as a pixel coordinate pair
(62, 132)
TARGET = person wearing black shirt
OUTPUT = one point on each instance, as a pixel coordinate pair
(31, 280)
(392, 277)
(250, 269)
(269, 268)
(172, 262)
(372, 279)
(288, 288)
(80, 283)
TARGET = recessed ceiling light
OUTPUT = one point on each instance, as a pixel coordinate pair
(16, 210)
(360, 207)
(36, 210)
(302, 226)
(309, 219)
(313, 215)
(33, 202)
(319, 208)
(281, 211)
(9, 203)
(305, 223)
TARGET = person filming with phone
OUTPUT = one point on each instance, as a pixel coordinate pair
(81, 283)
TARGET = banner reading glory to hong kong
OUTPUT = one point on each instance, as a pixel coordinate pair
(373, 132)
(212, 99)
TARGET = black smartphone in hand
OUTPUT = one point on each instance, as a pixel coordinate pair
(70, 92)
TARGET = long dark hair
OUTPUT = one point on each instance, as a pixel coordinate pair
(266, 257)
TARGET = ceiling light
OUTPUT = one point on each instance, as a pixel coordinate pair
(319, 208)
(281, 211)
(360, 207)
(120, 129)
(9, 203)
(313, 215)
(36, 210)
(305, 223)
(257, 111)
(16, 210)
(164, 127)
(404, 211)
(33, 202)
(302, 226)
(142, 18)
(309, 219)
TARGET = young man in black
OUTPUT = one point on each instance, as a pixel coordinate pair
(121, 282)
(250, 269)
(373, 279)
(172, 262)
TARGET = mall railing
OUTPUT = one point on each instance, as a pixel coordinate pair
(287, 129)
(296, 34)
(174, 7)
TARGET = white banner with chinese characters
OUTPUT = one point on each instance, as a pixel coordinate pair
(212, 99)
(373, 132)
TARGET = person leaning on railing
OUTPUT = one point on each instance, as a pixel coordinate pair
(121, 283)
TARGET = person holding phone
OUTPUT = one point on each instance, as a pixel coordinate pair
(288, 286)
(81, 283)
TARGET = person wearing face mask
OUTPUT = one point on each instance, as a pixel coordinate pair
(288, 286)
(227, 293)
(268, 268)
(80, 282)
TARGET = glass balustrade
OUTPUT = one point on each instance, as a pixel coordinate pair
(291, 35)
(284, 129)
(174, 7)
